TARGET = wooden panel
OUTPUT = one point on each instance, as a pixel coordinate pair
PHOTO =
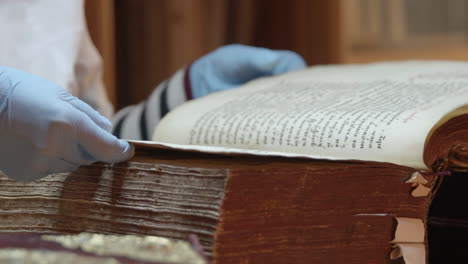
(459, 53)
(194, 28)
(140, 48)
(101, 25)
(155, 38)
(404, 30)
(241, 21)
(311, 28)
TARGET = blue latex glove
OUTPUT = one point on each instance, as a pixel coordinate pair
(233, 65)
(44, 129)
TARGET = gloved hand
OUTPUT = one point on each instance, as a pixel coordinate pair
(44, 129)
(233, 65)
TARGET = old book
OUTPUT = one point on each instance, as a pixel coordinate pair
(251, 208)
(406, 113)
(412, 114)
(337, 164)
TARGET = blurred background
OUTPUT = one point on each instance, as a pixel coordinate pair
(145, 41)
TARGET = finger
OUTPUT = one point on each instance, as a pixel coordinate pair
(76, 154)
(243, 63)
(271, 62)
(36, 166)
(61, 166)
(23, 173)
(42, 165)
(25, 163)
(287, 61)
(26, 175)
(102, 145)
(100, 120)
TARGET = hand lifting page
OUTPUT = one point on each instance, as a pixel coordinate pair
(387, 112)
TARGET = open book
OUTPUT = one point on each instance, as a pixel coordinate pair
(406, 113)
(383, 182)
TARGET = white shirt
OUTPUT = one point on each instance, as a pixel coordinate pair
(49, 38)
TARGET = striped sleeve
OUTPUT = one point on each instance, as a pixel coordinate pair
(137, 122)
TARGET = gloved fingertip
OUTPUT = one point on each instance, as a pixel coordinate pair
(265, 59)
(288, 61)
(128, 150)
(123, 152)
(252, 58)
(277, 61)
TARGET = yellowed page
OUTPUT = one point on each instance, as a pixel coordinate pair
(375, 112)
(409, 241)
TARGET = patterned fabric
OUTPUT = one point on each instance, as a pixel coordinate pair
(137, 122)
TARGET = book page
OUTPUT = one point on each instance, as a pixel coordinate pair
(375, 112)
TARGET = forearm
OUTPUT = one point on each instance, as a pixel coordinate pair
(137, 122)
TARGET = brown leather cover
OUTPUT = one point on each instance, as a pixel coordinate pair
(244, 209)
